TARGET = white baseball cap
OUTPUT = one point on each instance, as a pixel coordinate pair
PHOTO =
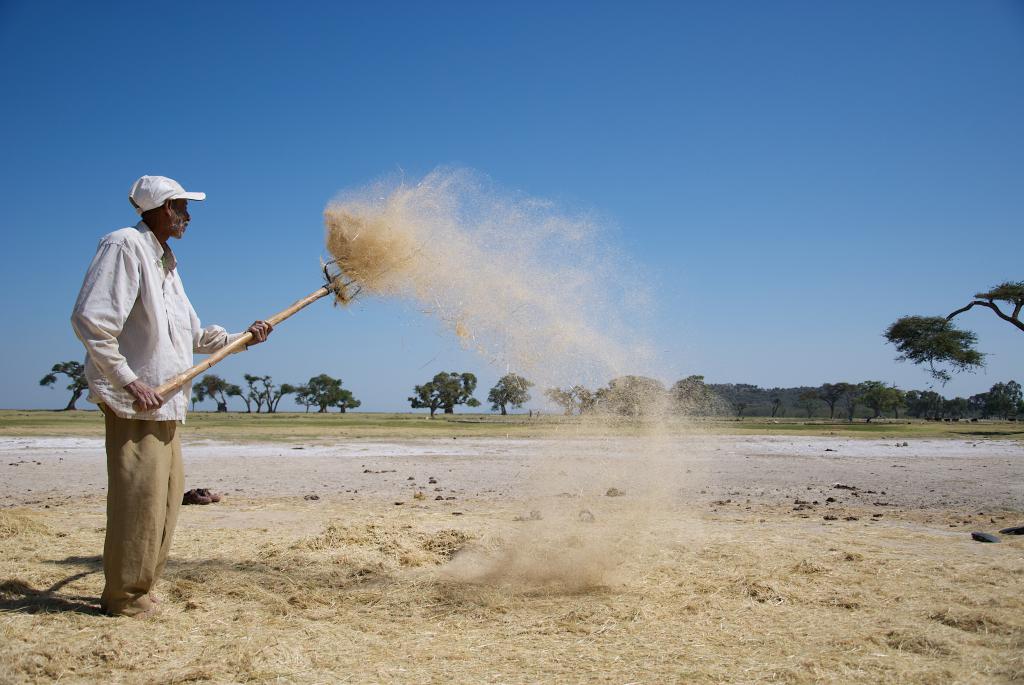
(150, 192)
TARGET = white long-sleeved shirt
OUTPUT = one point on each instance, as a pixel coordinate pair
(136, 322)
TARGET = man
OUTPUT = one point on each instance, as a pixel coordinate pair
(139, 329)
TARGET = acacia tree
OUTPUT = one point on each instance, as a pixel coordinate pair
(586, 398)
(977, 404)
(880, 397)
(426, 396)
(264, 393)
(1004, 400)
(346, 400)
(935, 340)
(322, 392)
(776, 405)
(874, 395)
(898, 399)
(850, 398)
(923, 404)
(445, 391)
(511, 389)
(575, 399)
(303, 398)
(273, 394)
(691, 396)
(563, 397)
(75, 371)
(809, 401)
(217, 389)
(955, 408)
(253, 393)
(829, 393)
(633, 396)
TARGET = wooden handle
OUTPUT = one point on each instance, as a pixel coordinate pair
(175, 383)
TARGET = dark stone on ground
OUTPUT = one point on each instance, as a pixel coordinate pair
(985, 537)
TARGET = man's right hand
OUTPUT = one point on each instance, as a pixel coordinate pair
(145, 396)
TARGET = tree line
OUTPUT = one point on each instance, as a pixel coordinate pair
(448, 389)
(628, 396)
(931, 341)
(261, 394)
(639, 396)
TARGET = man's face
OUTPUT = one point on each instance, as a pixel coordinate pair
(179, 217)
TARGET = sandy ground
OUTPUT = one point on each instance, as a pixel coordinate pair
(925, 474)
(714, 559)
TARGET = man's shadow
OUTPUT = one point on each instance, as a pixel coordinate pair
(18, 596)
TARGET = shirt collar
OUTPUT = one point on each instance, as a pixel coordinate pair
(163, 256)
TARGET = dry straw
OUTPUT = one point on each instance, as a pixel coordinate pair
(367, 598)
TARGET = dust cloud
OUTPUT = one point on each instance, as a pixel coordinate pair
(538, 291)
(528, 287)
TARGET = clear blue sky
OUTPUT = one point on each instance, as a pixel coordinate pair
(794, 175)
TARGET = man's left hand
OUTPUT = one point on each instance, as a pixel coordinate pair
(260, 331)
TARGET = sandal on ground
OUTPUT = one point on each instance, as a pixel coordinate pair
(214, 497)
(196, 497)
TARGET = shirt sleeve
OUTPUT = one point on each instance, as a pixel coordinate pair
(209, 339)
(108, 294)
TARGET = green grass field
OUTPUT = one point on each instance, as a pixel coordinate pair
(297, 426)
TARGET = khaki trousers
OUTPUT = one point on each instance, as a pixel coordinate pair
(145, 484)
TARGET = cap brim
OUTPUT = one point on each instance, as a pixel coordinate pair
(188, 196)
